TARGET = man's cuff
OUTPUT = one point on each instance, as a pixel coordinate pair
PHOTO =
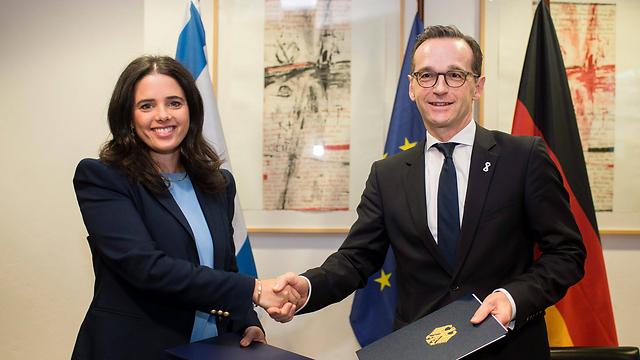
(512, 321)
(308, 295)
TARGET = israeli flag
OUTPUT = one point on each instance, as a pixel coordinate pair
(191, 54)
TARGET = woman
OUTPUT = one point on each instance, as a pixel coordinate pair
(158, 210)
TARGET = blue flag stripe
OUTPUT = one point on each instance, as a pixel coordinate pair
(245, 260)
(191, 45)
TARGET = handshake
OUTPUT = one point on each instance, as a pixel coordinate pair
(281, 297)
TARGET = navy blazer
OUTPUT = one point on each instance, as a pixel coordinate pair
(148, 279)
(517, 203)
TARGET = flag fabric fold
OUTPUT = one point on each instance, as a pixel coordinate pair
(374, 305)
(584, 317)
(191, 53)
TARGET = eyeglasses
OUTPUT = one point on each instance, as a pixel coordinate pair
(453, 78)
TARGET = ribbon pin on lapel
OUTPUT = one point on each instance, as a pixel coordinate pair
(486, 166)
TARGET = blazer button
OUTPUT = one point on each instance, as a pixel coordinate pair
(225, 314)
(220, 312)
(213, 312)
(455, 287)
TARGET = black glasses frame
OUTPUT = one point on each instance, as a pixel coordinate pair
(444, 75)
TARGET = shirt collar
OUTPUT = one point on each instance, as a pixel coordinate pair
(466, 136)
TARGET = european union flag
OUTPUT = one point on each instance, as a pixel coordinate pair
(373, 306)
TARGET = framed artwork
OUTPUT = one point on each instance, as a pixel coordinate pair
(305, 91)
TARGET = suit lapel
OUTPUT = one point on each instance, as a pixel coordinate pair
(414, 185)
(170, 204)
(483, 162)
(211, 214)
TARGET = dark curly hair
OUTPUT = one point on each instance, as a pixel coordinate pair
(131, 155)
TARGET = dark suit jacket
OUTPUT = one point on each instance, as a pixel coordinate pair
(517, 203)
(148, 279)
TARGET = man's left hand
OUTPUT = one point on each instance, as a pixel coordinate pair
(497, 304)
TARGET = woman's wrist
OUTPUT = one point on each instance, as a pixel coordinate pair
(257, 292)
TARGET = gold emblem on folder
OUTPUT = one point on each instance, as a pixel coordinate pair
(441, 335)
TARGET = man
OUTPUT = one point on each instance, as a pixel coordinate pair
(510, 198)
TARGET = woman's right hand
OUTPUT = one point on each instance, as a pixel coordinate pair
(282, 283)
(286, 300)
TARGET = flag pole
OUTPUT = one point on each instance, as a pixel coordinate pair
(214, 60)
(401, 31)
(402, 38)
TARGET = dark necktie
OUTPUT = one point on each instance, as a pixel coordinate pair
(448, 214)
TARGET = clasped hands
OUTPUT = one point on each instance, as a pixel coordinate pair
(281, 297)
(289, 292)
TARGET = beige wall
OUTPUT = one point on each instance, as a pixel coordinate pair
(58, 65)
(59, 61)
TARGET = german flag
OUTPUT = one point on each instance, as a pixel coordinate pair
(584, 317)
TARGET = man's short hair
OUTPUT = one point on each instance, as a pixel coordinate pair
(450, 31)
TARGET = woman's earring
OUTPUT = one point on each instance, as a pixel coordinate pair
(132, 130)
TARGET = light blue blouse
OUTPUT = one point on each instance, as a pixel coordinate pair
(204, 325)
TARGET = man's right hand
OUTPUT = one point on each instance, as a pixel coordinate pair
(300, 284)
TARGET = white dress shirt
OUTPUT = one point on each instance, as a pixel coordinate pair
(433, 160)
